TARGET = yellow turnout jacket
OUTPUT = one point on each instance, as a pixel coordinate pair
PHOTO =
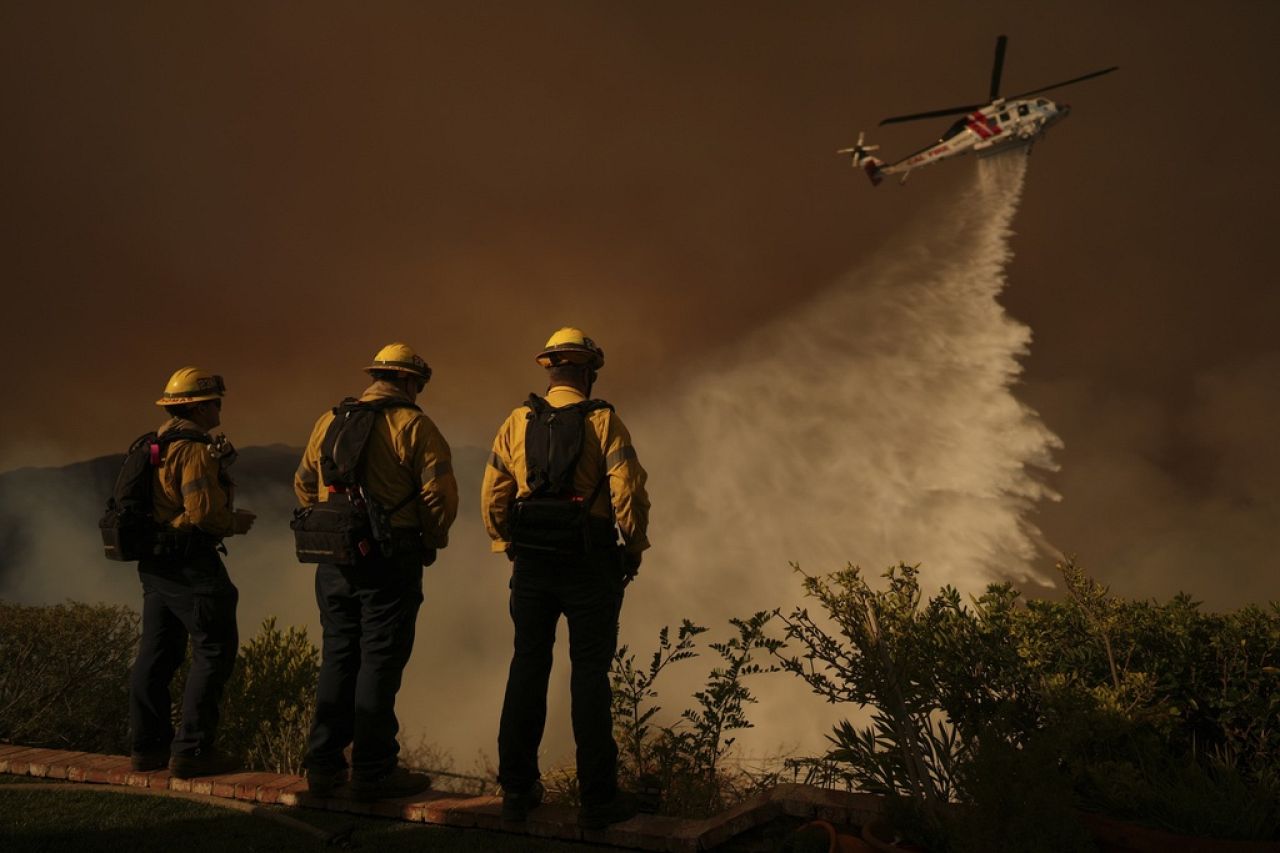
(406, 454)
(191, 489)
(610, 453)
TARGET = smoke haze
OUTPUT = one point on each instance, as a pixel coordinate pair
(874, 423)
(275, 194)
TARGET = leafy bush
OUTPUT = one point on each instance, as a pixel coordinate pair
(429, 757)
(1141, 710)
(1167, 714)
(685, 760)
(270, 698)
(64, 683)
(64, 675)
(268, 703)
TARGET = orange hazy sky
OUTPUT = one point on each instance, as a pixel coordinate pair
(273, 191)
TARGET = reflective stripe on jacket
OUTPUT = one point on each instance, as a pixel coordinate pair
(611, 453)
(406, 454)
(190, 489)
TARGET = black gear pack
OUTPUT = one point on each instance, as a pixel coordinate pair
(129, 530)
(350, 525)
(553, 518)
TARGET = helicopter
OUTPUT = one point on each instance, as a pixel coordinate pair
(1001, 125)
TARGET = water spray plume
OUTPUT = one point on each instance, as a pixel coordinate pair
(876, 423)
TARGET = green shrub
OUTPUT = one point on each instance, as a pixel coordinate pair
(1141, 710)
(268, 703)
(64, 675)
(64, 683)
(686, 759)
(1167, 714)
(480, 780)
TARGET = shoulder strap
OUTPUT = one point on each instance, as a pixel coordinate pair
(595, 405)
(346, 441)
(537, 405)
(386, 404)
(156, 444)
(554, 438)
(142, 441)
(382, 405)
(182, 435)
(347, 403)
(343, 446)
(590, 406)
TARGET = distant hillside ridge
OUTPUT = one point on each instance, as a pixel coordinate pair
(49, 514)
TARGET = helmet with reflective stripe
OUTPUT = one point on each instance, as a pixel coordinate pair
(571, 346)
(191, 385)
(402, 359)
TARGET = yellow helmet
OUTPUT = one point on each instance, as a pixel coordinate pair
(571, 345)
(191, 385)
(402, 359)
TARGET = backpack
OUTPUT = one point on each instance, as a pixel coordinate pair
(553, 519)
(348, 526)
(129, 530)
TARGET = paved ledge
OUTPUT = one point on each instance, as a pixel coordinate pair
(643, 832)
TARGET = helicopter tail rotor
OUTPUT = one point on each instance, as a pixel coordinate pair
(862, 159)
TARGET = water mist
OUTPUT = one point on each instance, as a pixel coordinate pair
(873, 424)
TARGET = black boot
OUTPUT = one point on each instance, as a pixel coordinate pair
(400, 782)
(146, 762)
(516, 805)
(622, 807)
(203, 762)
(322, 783)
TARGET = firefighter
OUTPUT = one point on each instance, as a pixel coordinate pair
(186, 591)
(564, 498)
(369, 609)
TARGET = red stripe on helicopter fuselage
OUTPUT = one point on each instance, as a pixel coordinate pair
(978, 124)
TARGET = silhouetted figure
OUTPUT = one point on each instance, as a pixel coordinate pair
(564, 498)
(377, 461)
(186, 592)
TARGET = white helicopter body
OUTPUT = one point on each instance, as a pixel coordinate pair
(999, 126)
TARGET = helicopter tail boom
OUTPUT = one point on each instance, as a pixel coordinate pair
(872, 166)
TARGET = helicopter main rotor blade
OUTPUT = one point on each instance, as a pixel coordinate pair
(949, 111)
(1064, 83)
(997, 67)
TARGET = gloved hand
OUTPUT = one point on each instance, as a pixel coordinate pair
(428, 557)
(241, 521)
(630, 566)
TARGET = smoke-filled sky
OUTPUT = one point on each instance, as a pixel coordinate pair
(273, 191)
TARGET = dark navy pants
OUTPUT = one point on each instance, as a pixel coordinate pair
(189, 597)
(369, 614)
(588, 591)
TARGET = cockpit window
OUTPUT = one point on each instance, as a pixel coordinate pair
(955, 129)
(1023, 109)
(1004, 116)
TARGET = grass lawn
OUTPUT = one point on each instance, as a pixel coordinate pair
(85, 818)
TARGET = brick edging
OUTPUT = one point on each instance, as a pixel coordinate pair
(643, 832)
